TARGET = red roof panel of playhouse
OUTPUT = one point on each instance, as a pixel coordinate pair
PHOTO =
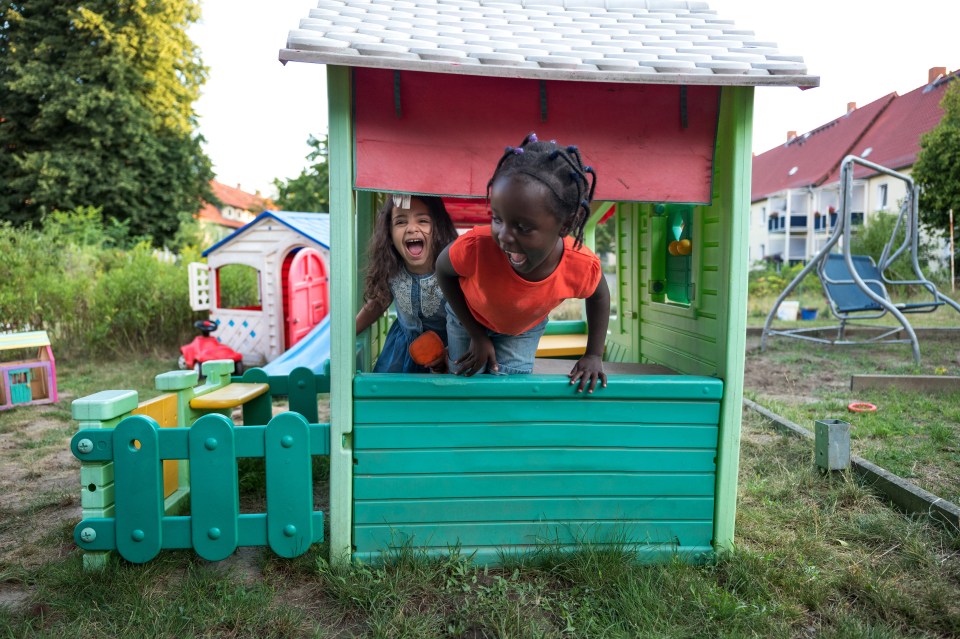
(467, 212)
(894, 139)
(808, 159)
(407, 141)
(236, 198)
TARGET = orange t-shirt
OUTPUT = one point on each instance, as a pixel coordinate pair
(503, 301)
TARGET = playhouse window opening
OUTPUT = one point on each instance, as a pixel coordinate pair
(238, 287)
(15, 355)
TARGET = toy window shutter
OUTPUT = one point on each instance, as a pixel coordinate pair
(199, 274)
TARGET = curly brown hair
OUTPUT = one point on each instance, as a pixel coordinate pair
(383, 260)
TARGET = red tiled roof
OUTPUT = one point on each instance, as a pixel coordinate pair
(236, 198)
(815, 154)
(895, 136)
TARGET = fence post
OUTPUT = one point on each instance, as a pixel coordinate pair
(289, 485)
(215, 503)
(139, 488)
(832, 444)
(100, 410)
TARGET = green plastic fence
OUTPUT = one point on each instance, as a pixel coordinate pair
(215, 528)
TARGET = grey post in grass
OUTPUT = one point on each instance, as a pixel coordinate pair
(832, 437)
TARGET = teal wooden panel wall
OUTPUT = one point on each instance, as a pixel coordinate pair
(504, 464)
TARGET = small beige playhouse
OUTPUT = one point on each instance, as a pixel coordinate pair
(267, 284)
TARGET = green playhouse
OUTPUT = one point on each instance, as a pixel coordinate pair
(423, 96)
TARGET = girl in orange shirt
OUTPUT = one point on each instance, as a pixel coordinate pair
(501, 281)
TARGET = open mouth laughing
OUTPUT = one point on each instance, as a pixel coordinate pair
(415, 247)
(516, 259)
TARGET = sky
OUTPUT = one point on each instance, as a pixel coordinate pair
(257, 114)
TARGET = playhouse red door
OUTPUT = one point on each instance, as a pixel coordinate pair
(306, 289)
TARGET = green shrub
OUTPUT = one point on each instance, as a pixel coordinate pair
(94, 298)
(770, 282)
(873, 236)
(239, 286)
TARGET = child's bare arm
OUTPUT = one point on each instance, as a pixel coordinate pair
(369, 314)
(589, 369)
(481, 349)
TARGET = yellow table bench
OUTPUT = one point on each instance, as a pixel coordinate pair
(574, 344)
(255, 399)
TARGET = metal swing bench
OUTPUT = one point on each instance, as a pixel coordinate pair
(856, 286)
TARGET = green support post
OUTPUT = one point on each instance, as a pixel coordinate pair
(342, 309)
(182, 384)
(97, 495)
(735, 157)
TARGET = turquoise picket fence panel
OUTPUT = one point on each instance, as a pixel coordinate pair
(215, 527)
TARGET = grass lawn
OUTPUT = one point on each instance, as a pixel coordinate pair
(914, 435)
(945, 316)
(816, 556)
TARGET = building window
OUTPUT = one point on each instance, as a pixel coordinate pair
(882, 196)
(763, 213)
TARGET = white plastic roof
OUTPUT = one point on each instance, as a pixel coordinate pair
(645, 41)
(314, 226)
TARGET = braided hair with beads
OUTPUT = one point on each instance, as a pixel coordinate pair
(561, 170)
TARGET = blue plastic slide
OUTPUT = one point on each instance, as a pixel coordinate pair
(310, 352)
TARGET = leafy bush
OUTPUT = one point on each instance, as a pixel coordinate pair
(770, 282)
(93, 298)
(874, 235)
(239, 286)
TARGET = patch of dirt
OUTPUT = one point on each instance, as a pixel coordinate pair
(769, 377)
(39, 489)
(12, 596)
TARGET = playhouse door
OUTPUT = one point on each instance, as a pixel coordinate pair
(623, 343)
(306, 288)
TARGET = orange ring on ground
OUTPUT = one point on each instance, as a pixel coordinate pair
(861, 407)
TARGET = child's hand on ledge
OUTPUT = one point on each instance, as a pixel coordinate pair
(588, 371)
(439, 365)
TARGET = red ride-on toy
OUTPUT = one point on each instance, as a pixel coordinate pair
(204, 348)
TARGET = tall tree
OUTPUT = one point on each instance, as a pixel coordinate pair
(96, 109)
(309, 191)
(937, 169)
